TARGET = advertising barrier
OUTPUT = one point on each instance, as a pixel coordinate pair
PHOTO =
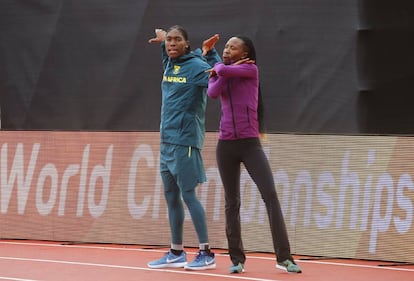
(342, 196)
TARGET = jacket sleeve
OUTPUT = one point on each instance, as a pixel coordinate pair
(216, 84)
(212, 57)
(244, 70)
(164, 55)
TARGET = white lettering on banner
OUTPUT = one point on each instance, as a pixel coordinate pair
(372, 204)
(303, 179)
(103, 172)
(16, 174)
(69, 172)
(367, 193)
(17, 177)
(351, 180)
(325, 199)
(385, 195)
(49, 170)
(157, 192)
(82, 183)
(98, 171)
(404, 203)
(143, 152)
(213, 176)
(381, 224)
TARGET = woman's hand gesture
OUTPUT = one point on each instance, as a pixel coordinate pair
(245, 60)
(211, 72)
(160, 35)
(209, 43)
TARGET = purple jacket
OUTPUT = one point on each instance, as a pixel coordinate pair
(237, 86)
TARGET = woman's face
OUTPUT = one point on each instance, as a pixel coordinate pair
(234, 50)
(175, 44)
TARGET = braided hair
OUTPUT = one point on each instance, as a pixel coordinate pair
(251, 54)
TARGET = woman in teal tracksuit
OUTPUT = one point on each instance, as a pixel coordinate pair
(182, 129)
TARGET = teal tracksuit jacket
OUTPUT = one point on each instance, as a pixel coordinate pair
(184, 97)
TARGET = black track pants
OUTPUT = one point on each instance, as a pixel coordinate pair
(230, 154)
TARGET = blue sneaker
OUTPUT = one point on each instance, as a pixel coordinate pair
(169, 260)
(202, 261)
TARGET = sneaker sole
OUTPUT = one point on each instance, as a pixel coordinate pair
(211, 266)
(284, 268)
(281, 267)
(170, 265)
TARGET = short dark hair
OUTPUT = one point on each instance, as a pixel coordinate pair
(251, 54)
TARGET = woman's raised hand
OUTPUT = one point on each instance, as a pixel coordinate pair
(209, 43)
(160, 35)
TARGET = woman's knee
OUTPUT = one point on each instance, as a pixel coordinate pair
(189, 196)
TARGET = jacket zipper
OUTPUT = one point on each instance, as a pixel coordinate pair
(232, 110)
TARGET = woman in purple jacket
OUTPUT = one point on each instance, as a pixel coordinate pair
(236, 82)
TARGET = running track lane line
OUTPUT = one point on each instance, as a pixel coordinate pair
(163, 251)
(134, 268)
(15, 279)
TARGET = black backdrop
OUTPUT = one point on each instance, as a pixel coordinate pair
(327, 66)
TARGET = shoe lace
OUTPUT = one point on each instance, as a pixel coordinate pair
(200, 256)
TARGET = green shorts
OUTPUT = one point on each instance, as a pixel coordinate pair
(181, 166)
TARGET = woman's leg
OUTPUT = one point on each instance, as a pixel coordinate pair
(175, 208)
(198, 215)
(229, 168)
(190, 173)
(259, 169)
